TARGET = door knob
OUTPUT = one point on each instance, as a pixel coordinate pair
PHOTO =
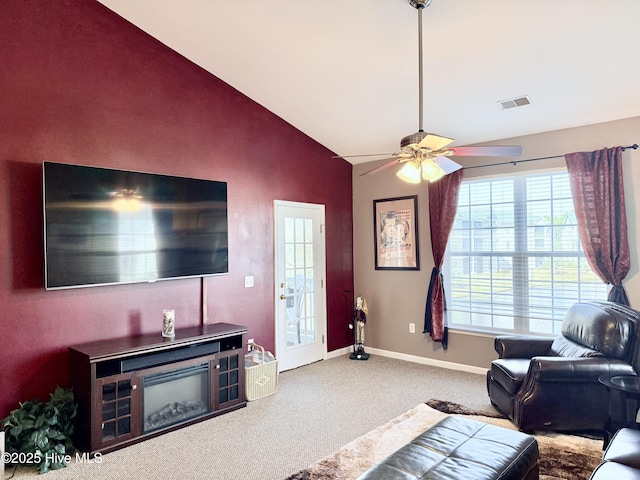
(283, 297)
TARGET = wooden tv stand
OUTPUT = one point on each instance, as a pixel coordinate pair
(133, 388)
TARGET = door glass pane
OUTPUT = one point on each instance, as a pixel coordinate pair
(234, 392)
(308, 230)
(300, 322)
(299, 230)
(289, 254)
(124, 407)
(300, 258)
(109, 392)
(124, 388)
(109, 411)
(309, 256)
(124, 425)
(288, 230)
(108, 430)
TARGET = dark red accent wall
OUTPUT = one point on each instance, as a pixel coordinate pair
(78, 84)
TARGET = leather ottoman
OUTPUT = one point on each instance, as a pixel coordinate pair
(462, 448)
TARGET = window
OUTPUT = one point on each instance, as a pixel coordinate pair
(514, 262)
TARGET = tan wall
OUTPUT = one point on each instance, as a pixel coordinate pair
(396, 298)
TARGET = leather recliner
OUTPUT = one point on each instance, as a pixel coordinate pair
(552, 384)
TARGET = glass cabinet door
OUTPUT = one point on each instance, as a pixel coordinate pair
(230, 379)
(117, 404)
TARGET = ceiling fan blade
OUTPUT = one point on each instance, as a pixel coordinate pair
(394, 161)
(495, 151)
(446, 164)
(364, 155)
(434, 142)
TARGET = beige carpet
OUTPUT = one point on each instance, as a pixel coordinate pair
(574, 457)
(317, 410)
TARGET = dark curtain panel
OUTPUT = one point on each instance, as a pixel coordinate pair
(598, 198)
(443, 203)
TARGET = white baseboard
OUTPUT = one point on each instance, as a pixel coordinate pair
(338, 353)
(412, 358)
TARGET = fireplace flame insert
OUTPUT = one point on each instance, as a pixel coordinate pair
(173, 397)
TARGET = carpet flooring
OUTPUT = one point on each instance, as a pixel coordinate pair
(317, 410)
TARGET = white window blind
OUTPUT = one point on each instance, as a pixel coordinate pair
(514, 260)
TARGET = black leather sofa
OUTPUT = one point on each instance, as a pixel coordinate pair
(552, 384)
(621, 459)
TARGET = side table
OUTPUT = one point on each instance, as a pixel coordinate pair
(624, 393)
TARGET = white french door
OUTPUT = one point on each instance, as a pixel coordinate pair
(300, 311)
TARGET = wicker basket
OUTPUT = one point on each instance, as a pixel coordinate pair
(261, 380)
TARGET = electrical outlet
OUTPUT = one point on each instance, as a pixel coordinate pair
(249, 344)
(412, 328)
(248, 281)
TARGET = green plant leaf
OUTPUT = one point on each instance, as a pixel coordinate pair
(44, 466)
(39, 422)
(40, 438)
(56, 435)
(40, 428)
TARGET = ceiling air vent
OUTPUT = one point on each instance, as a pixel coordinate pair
(514, 102)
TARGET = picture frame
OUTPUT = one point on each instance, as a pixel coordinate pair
(395, 233)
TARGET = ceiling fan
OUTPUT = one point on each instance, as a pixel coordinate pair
(424, 154)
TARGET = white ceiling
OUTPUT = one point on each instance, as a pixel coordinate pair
(345, 72)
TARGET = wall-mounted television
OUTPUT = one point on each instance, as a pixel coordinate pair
(106, 226)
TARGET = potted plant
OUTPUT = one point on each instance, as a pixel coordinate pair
(38, 433)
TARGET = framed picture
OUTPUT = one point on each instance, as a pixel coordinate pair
(395, 230)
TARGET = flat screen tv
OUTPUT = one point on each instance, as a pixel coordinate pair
(104, 226)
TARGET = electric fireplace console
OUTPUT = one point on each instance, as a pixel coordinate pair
(129, 389)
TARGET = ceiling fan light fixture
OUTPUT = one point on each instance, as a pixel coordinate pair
(410, 173)
(426, 155)
(431, 171)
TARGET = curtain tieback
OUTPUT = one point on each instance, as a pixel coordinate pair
(427, 314)
(434, 274)
(618, 294)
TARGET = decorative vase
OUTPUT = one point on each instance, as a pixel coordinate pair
(169, 323)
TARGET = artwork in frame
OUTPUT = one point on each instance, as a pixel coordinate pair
(395, 224)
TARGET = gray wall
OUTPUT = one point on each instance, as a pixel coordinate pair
(396, 298)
